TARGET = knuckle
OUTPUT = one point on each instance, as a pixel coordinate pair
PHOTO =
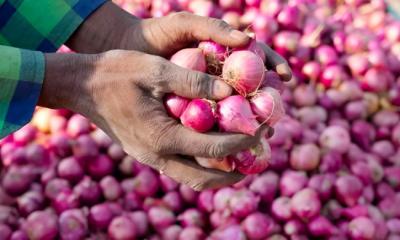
(198, 85)
(216, 150)
(181, 16)
(220, 24)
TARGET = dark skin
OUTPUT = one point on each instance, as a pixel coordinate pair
(121, 90)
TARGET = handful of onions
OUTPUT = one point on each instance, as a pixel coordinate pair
(254, 102)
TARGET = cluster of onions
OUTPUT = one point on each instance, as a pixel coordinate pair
(334, 168)
(254, 102)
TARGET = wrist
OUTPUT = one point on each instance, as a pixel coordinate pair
(65, 80)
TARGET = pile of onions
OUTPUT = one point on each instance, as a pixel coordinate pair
(333, 162)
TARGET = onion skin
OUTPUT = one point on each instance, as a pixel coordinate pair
(253, 160)
(234, 115)
(306, 204)
(244, 71)
(268, 105)
(190, 58)
(198, 115)
(175, 105)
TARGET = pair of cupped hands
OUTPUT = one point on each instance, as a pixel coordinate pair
(121, 91)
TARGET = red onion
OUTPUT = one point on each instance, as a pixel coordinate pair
(335, 138)
(19, 235)
(268, 105)
(253, 160)
(331, 162)
(213, 51)
(244, 70)
(222, 197)
(191, 58)
(305, 157)
(390, 207)
(257, 226)
(100, 216)
(361, 228)
(101, 138)
(188, 194)
(25, 135)
(30, 202)
(100, 166)
(230, 4)
(290, 18)
(332, 76)
(232, 18)
(192, 218)
(205, 201)
(286, 42)
(348, 189)
(85, 148)
(293, 227)
(305, 204)
(194, 233)
(140, 220)
(88, 191)
(18, 179)
(161, 217)
(312, 70)
(173, 200)
(121, 228)
(65, 200)
(73, 224)
(41, 225)
(78, 125)
(323, 184)
(70, 169)
(233, 232)
(168, 184)
(234, 115)
(392, 175)
(272, 79)
(326, 55)
(292, 182)
(358, 64)
(110, 188)
(265, 186)
(280, 208)
(198, 115)
(321, 226)
(393, 225)
(172, 232)
(376, 80)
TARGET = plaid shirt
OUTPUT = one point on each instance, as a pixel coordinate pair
(25, 26)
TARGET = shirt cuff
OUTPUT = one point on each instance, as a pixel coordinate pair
(21, 78)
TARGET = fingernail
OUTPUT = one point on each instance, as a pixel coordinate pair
(221, 89)
(238, 35)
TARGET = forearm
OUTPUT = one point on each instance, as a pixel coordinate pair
(103, 30)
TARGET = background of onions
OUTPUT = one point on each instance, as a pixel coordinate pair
(335, 166)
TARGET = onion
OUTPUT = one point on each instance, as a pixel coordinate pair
(41, 225)
(320, 226)
(70, 169)
(161, 217)
(268, 105)
(205, 201)
(292, 182)
(122, 228)
(257, 226)
(335, 138)
(361, 228)
(290, 18)
(326, 55)
(192, 218)
(172, 232)
(173, 200)
(191, 58)
(265, 186)
(110, 188)
(253, 160)
(244, 71)
(232, 18)
(222, 197)
(348, 189)
(305, 204)
(234, 115)
(73, 224)
(198, 115)
(243, 202)
(280, 208)
(305, 157)
(323, 184)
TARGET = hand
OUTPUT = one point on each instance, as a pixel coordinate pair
(112, 28)
(121, 92)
